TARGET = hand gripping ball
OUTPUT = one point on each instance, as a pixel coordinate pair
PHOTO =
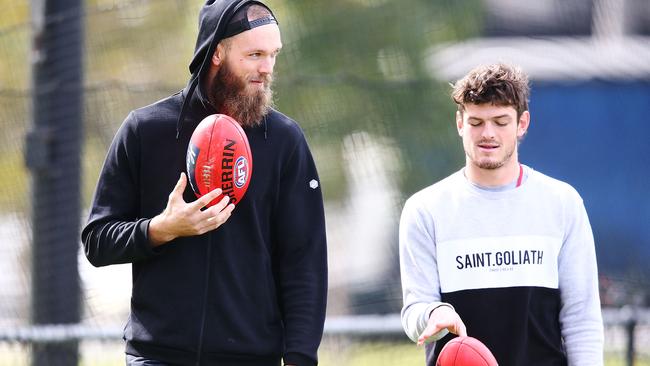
(465, 351)
(219, 156)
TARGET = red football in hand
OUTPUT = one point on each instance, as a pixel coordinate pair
(219, 156)
(465, 351)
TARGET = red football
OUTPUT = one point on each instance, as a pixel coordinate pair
(219, 156)
(465, 351)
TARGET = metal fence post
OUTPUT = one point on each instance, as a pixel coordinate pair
(630, 326)
(52, 154)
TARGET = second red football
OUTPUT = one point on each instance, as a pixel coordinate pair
(465, 351)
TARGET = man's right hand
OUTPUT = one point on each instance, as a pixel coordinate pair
(187, 219)
(443, 317)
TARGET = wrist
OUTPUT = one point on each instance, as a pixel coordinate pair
(157, 233)
(440, 305)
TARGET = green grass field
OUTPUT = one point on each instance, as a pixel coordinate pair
(332, 353)
(391, 354)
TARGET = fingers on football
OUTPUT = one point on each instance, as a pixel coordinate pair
(226, 212)
(422, 339)
(460, 329)
(220, 217)
(457, 327)
(214, 210)
(429, 331)
(454, 326)
(206, 198)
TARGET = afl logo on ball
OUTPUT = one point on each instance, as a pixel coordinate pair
(241, 171)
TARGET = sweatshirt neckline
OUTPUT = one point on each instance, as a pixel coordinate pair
(501, 192)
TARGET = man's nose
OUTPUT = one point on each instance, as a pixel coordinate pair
(488, 131)
(266, 65)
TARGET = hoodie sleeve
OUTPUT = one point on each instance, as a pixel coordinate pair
(114, 233)
(302, 252)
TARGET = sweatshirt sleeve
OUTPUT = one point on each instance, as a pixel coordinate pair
(580, 315)
(419, 272)
(114, 233)
(302, 256)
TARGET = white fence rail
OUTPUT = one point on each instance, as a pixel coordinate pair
(629, 321)
(350, 326)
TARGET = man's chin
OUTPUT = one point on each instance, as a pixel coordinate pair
(253, 90)
(489, 164)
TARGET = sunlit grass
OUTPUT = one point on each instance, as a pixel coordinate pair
(406, 354)
(332, 353)
(370, 354)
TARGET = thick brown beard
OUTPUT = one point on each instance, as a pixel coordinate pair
(229, 96)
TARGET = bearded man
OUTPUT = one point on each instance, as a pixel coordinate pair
(216, 286)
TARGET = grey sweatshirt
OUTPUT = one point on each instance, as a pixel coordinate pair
(518, 265)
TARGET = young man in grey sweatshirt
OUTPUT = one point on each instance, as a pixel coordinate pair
(498, 251)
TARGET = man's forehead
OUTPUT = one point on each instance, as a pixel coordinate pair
(263, 37)
(485, 110)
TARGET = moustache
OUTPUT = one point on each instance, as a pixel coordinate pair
(488, 142)
(266, 79)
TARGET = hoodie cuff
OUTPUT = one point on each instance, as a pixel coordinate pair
(298, 359)
(143, 227)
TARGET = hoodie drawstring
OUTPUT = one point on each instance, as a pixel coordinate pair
(265, 128)
(188, 96)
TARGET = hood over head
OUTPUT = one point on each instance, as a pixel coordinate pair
(216, 22)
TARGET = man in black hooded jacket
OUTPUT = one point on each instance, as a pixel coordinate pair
(224, 285)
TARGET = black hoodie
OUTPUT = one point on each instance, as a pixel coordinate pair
(252, 291)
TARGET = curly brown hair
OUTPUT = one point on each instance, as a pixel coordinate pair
(498, 84)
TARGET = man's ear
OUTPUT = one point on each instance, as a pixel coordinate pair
(524, 122)
(218, 55)
(459, 123)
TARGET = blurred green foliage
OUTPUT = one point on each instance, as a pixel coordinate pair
(347, 66)
(362, 66)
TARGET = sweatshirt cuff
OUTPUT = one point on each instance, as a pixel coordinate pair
(433, 306)
(298, 359)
